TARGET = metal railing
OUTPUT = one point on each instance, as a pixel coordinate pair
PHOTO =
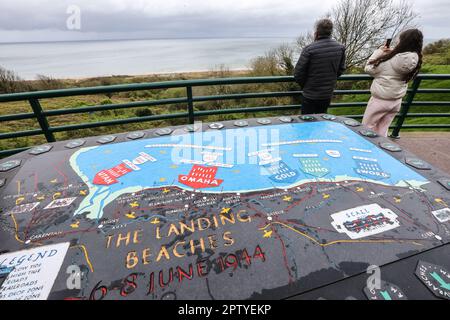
(41, 115)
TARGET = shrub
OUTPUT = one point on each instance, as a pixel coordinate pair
(10, 82)
(47, 83)
(143, 112)
(106, 102)
(441, 46)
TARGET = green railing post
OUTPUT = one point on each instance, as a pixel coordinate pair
(190, 104)
(42, 120)
(405, 108)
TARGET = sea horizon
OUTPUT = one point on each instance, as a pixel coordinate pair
(132, 57)
(81, 59)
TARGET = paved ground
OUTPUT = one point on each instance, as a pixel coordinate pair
(433, 147)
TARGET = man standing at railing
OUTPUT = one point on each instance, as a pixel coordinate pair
(318, 68)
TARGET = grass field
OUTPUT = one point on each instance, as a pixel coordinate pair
(91, 100)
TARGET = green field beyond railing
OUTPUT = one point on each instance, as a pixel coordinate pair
(42, 115)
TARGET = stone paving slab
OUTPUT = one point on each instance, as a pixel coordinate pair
(433, 147)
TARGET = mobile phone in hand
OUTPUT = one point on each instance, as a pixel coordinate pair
(388, 43)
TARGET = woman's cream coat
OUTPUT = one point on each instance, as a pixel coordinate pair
(389, 83)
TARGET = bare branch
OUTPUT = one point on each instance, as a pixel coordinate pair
(360, 25)
(363, 25)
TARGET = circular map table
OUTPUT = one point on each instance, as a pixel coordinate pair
(258, 208)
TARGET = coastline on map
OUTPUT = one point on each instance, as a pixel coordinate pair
(100, 196)
(97, 206)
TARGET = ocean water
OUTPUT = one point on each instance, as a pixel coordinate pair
(131, 57)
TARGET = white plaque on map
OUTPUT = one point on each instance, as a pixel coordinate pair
(364, 221)
(34, 272)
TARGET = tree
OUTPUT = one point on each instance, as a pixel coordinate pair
(303, 40)
(437, 53)
(360, 25)
(440, 46)
(10, 82)
(284, 55)
(266, 65)
(275, 62)
(47, 83)
(363, 25)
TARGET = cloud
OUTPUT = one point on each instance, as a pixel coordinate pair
(163, 18)
(46, 19)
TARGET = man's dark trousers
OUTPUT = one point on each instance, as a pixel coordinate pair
(310, 106)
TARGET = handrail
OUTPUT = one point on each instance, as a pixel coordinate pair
(139, 86)
(190, 100)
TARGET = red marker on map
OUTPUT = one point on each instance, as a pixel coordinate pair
(200, 177)
(109, 176)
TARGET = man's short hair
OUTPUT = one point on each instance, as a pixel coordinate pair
(324, 27)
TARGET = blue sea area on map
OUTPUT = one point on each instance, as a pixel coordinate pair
(249, 175)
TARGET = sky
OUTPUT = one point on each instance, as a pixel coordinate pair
(47, 20)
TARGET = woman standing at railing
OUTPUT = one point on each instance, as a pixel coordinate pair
(392, 70)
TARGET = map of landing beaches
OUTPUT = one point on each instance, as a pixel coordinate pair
(263, 211)
(301, 158)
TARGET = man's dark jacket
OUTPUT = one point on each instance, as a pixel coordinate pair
(318, 68)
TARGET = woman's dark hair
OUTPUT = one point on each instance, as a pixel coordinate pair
(410, 41)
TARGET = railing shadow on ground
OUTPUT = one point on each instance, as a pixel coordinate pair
(41, 115)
